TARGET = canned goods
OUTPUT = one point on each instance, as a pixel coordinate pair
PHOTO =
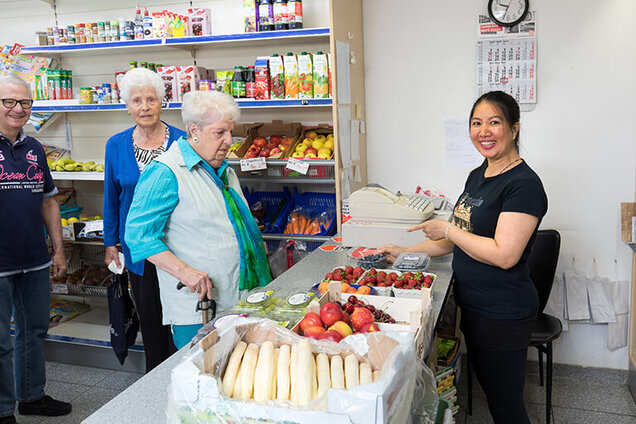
(106, 96)
(88, 32)
(82, 34)
(101, 36)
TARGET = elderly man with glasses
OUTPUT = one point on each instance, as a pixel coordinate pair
(27, 206)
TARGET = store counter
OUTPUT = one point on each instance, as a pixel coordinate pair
(146, 399)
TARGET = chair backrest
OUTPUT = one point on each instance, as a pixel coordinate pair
(543, 259)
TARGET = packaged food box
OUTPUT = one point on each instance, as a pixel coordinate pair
(263, 82)
(188, 78)
(260, 301)
(169, 76)
(277, 75)
(290, 66)
(330, 63)
(200, 21)
(412, 261)
(159, 24)
(305, 76)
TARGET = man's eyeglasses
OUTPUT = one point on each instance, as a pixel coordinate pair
(10, 103)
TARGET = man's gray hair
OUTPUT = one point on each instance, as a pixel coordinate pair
(207, 107)
(141, 78)
(15, 80)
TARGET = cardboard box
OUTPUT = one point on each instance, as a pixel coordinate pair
(169, 76)
(195, 390)
(321, 129)
(628, 212)
(284, 129)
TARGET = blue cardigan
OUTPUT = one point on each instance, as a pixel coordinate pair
(121, 174)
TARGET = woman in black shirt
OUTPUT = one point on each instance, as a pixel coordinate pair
(494, 225)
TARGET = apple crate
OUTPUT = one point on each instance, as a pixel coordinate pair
(240, 134)
(276, 127)
(321, 129)
(314, 202)
(274, 203)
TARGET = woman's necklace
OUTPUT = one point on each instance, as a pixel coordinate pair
(509, 165)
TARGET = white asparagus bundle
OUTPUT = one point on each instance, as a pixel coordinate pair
(246, 373)
(264, 373)
(376, 375)
(305, 372)
(293, 375)
(229, 379)
(282, 372)
(322, 371)
(337, 372)
(351, 371)
(366, 376)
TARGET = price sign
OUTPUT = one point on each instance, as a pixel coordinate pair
(253, 164)
(59, 288)
(297, 165)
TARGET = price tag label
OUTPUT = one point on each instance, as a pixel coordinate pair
(297, 165)
(59, 288)
(253, 164)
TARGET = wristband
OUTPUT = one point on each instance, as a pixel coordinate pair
(446, 232)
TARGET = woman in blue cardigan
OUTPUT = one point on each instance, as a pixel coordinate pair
(127, 153)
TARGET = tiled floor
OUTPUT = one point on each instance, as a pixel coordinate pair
(579, 396)
(86, 388)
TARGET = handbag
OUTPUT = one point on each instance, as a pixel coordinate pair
(122, 316)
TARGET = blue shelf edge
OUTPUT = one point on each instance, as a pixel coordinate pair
(177, 105)
(203, 39)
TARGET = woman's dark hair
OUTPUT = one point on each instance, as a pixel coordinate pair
(506, 104)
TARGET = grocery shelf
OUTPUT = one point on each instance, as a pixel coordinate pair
(42, 106)
(77, 175)
(292, 35)
(321, 239)
(288, 180)
(283, 162)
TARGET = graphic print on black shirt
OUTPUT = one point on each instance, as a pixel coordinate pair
(464, 210)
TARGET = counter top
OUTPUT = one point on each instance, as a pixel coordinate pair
(146, 399)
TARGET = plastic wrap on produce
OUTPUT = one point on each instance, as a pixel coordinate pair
(403, 392)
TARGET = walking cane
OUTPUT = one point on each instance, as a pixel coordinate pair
(206, 306)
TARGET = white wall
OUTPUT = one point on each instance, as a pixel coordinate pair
(420, 70)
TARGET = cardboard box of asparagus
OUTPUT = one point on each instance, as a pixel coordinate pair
(252, 369)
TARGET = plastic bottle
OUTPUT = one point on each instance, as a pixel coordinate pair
(139, 20)
(114, 28)
(295, 14)
(122, 28)
(250, 82)
(265, 16)
(280, 15)
(133, 64)
(238, 83)
(147, 24)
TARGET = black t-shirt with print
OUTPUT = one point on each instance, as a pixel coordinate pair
(485, 289)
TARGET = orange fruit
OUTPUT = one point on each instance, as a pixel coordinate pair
(363, 290)
(351, 289)
(344, 287)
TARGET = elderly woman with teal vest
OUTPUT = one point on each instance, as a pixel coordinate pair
(189, 218)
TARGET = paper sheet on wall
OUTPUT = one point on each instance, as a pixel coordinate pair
(345, 186)
(344, 135)
(355, 140)
(343, 73)
(486, 28)
(460, 152)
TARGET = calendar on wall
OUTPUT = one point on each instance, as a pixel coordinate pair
(507, 60)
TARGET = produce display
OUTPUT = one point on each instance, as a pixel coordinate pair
(274, 147)
(292, 374)
(68, 164)
(337, 321)
(348, 276)
(315, 146)
(414, 280)
(379, 278)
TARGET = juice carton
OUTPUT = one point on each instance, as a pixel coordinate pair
(305, 76)
(321, 76)
(188, 78)
(277, 75)
(169, 76)
(250, 15)
(263, 82)
(290, 65)
(330, 62)
(200, 21)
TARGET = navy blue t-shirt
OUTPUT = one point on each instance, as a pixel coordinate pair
(486, 289)
(24, 179)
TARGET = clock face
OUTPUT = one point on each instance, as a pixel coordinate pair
(508, 12)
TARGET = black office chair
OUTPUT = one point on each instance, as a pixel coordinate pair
(542, 262)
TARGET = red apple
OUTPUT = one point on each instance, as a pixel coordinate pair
(314, 332)
(275, 151)
(311, 150)
(342, 328)
(330, 313)
(370, 328)
(270, 146)
(260, 142)
(332, 335)
(254, 148)
(264, 152)
(250, 155)
(346, 318)
(275, 139)
(312, 319)
(286, 141)
(360, 317)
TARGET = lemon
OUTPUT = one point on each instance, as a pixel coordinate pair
(72, 220)
(64, 222)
